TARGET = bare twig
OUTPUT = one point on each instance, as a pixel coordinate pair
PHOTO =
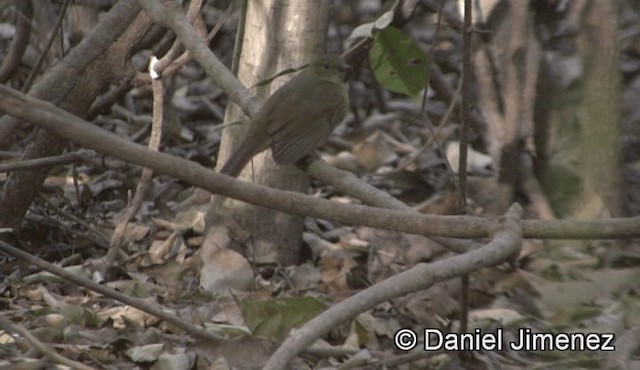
(171, 16)
(67, 158)
(36, 69)
(173, 59)
(108, 292)
(10, 327)
(97, 232)
(464, 146)
(147, 174)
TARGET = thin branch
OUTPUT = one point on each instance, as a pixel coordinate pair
(171, 16)
(147, 174)
(173, 57)
(347, 183)
(48, 352)
(464, 147)
(111, 293)
(54, 31)
(29, 164)
(97, 232)
(467, 73)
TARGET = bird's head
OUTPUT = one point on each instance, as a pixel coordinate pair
(330, 67)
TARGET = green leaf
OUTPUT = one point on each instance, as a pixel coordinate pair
(397, 62)
(274, 318)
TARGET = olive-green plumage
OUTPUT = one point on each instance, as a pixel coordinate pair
(298, 117)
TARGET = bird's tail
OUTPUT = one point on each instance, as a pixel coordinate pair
(238, 160)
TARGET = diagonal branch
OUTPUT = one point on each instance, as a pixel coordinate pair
(79, 131)
(138, 303)
(507, 240)
(171, 16)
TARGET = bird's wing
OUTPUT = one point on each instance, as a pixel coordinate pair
(306, 122)
(297, 144)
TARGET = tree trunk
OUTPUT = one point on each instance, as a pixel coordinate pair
(581, 174)
(277, 35)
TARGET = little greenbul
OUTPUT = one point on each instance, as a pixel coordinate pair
(298, 117)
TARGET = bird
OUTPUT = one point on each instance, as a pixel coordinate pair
(298, 117)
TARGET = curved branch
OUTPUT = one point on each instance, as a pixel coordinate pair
(171, 16)
(506, 242)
